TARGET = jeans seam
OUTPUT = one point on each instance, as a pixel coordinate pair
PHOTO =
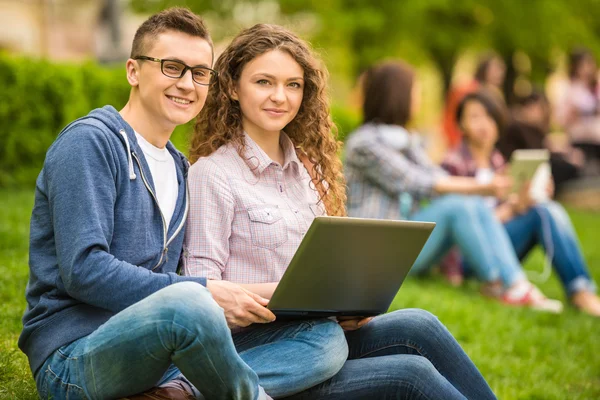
(66, 357)
(62, 382)
(408, 344)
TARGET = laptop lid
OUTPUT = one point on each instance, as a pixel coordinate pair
(349, 266)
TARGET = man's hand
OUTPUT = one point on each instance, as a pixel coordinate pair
(353, 323)
(241, 306)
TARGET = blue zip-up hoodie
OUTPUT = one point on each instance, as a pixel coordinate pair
(98, 242)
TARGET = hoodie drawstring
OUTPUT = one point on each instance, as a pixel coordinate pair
(129, 159)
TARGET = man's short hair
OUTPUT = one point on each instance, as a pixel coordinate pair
(177, 19)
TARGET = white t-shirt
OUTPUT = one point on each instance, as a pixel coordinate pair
(164, 175)
(485, 176)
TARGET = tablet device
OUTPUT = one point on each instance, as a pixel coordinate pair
(348, 267)
(524, 164)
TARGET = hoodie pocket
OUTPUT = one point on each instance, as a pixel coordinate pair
(268, 228)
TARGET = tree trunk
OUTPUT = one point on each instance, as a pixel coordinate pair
(444, 64)
(509, 79)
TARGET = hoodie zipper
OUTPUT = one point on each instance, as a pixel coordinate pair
(164, 223)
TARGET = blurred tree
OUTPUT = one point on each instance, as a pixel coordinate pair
(362, 32)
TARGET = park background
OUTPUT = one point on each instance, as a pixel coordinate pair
(61, 58)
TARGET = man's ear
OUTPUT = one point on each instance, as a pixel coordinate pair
(132, 67)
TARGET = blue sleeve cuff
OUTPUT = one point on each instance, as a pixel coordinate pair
(197, 279)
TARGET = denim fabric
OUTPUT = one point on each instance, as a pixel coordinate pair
(289, 357)
(406, 354)
(549, 225)
(467, 222)
(183, 326)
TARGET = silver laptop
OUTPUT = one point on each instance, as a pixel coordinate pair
(348, 267)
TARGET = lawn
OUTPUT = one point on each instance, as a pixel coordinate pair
(523, 354)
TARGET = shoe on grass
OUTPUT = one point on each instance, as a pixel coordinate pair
(526, 294)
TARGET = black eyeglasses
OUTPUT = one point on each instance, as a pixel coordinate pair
(176, 69)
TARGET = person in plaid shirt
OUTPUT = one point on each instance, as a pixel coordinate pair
(527, 222)
(265, 164)
(390, 176)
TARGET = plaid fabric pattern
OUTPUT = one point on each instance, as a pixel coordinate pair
(460, 162)
(385, 167)
(247, 214)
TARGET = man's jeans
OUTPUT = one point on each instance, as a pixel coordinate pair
(549, 225)
(406, 354)
(184, 326)
(466, 221)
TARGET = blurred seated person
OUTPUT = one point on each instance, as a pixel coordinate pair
(578, 112)
(489, 74)
(526, 223)
(390, 176)
(528, 129)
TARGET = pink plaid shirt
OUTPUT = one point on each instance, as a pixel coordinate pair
(247, 214)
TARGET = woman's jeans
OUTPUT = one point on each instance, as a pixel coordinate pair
(549, 225)
(181, 329)
(406, 354)
(467, 222)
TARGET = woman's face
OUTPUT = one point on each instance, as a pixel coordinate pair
(478, 126)
(270, 91)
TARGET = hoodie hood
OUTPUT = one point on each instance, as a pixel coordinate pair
(111, 119)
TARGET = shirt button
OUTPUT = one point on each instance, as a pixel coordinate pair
(296, 211)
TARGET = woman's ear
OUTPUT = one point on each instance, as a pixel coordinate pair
(132, 68)
(234, 94)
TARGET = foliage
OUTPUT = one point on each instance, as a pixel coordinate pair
(356, 33)
(39, 99)
(523, 354)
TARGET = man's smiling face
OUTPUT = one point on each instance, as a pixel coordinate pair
(170, 101)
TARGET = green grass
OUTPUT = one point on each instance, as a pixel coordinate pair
(523, 354)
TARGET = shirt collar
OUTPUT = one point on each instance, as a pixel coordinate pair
(496, 160)
(257, 160)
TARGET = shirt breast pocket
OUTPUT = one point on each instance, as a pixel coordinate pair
(268, 228)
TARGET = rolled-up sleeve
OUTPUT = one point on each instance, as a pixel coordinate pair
(206, 249)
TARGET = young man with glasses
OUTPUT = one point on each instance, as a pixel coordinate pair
(107, 314)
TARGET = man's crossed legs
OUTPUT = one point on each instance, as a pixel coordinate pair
(184, 326)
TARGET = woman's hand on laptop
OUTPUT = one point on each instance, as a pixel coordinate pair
(241, 307)
(353, 323)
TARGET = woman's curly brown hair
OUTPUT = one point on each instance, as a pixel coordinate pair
(312, 131)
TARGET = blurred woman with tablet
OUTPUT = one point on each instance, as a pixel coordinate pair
(527, 222)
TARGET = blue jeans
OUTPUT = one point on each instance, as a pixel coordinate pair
(549, 225)
(181, 329)
(406, 354)
(467, 222)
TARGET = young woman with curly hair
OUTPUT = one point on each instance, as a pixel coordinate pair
(265, 164)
